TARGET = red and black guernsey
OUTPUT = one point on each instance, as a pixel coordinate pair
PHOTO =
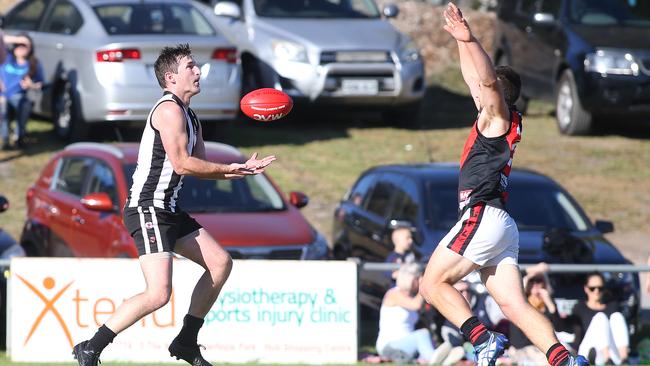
(485, 166)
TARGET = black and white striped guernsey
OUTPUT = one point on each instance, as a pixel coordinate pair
(155, 183)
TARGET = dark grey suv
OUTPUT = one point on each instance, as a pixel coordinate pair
(592, 57)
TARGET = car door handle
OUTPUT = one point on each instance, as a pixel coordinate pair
(78, 219)
(59, 46)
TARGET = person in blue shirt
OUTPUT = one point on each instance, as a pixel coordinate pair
(20, 72)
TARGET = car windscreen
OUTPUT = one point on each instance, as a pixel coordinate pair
(634, 13)
(533, 208)
(316, 8)
(153, 18)
(254, 193)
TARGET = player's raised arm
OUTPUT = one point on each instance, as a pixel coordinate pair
(475, 63)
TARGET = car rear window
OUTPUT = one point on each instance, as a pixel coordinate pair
(151, 18)
(254, 193)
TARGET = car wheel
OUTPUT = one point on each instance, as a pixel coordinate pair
(256, 75)
(68, 123)
(31, 250)
(572, 118)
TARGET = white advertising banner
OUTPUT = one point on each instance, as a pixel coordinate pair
(268, 311)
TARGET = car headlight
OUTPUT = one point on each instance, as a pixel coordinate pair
(318, 249)
(13, 251)
(409, 52)
(611, 62)
(289, 51)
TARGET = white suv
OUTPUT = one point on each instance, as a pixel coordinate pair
(326, 51)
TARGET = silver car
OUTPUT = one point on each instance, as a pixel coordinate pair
(329, 51)
(98, 58)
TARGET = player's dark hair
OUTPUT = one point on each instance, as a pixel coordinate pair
(510, 82)
(168, 61)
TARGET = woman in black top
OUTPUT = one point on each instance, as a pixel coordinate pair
(605, 336)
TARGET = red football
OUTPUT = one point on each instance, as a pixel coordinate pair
(266, 104)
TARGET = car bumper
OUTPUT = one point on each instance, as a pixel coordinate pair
(117, 103)
(617, 94)
(354, 83)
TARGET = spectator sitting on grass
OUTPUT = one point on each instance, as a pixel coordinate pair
(605, 338)
(398, 340)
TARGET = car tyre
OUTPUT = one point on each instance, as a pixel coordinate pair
(572, 118)
(256, 75)
(68, 122)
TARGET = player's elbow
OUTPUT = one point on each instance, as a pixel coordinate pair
(180, 168)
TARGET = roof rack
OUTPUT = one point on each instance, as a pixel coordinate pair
(97, 146)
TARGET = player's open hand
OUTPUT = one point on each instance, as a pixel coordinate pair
(252, 166)
(258, 165)
(456, 25)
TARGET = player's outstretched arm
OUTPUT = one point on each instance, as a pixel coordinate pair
(494, 110)
(169, 120)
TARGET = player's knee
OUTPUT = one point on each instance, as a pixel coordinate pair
(158, 299)
(221, 266)
(426, 290)
(513, 306)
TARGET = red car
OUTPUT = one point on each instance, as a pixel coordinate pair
(75, 208)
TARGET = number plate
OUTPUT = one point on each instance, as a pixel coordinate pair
(360, 87)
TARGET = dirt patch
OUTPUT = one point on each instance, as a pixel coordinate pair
(423, 22)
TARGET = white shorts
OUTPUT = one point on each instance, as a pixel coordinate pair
(486, 235)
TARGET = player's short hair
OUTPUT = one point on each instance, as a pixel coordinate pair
(510, 83)
(168, 61)
(406, 274)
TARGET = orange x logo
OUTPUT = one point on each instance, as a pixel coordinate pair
(48, 283)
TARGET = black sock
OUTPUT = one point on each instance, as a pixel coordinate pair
(101, 339)
(474, 331)
(190, 331)
(557, 355)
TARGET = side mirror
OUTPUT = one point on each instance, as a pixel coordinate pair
(544, 18)
(298, 199)
(98, 201)
(605, 226)
(4, 204)
(390, 11)
(227, 9)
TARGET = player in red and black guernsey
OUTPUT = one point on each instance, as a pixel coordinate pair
(486, 238)
(171, 147)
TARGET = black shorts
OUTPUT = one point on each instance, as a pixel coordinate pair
(156, 230)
